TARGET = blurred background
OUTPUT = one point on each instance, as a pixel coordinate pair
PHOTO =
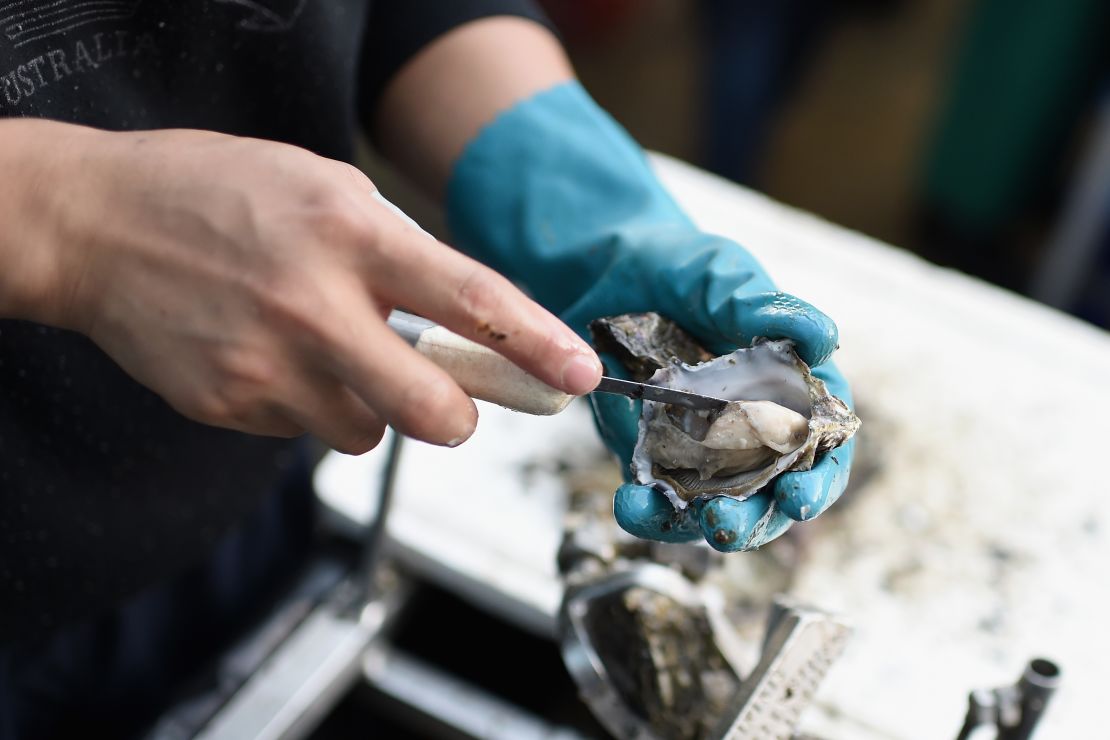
(973, 132)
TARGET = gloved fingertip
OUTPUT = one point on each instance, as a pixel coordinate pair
(774, 527)
(646, 513)
(720, 527)
(729, 525)
(818, 337)
(806, 494)
(779, 315)
(800, 495)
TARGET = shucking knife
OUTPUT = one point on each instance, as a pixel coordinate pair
(487, 375)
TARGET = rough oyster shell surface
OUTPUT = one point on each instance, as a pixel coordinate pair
(781, 416)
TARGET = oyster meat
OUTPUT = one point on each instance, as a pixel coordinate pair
(779, 419)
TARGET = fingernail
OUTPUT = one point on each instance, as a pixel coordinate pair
(463, 431)
(581, 374)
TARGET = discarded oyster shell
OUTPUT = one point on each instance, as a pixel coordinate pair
(781, 417)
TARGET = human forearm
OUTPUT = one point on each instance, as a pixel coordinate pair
(438, 102)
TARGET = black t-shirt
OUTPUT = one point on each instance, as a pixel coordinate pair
(103, 487)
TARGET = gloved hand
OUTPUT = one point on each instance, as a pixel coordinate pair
(555, 195)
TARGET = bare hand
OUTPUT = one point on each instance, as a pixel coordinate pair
(247, 283)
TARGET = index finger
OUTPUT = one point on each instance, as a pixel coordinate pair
(411, 269)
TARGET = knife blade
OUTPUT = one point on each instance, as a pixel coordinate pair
(485, 374)
(649, 392)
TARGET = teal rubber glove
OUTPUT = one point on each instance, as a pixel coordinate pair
(555, 195)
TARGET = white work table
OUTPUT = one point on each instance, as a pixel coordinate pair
(981, 538)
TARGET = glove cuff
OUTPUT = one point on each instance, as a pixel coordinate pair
(542, 191)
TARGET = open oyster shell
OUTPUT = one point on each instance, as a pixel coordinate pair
(781, 417)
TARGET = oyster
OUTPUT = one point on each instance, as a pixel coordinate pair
(779, 419)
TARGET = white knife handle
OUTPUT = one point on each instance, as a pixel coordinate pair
(480, 371)
(484, 374)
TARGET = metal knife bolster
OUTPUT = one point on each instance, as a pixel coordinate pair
(670, 396)
(408, 326)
